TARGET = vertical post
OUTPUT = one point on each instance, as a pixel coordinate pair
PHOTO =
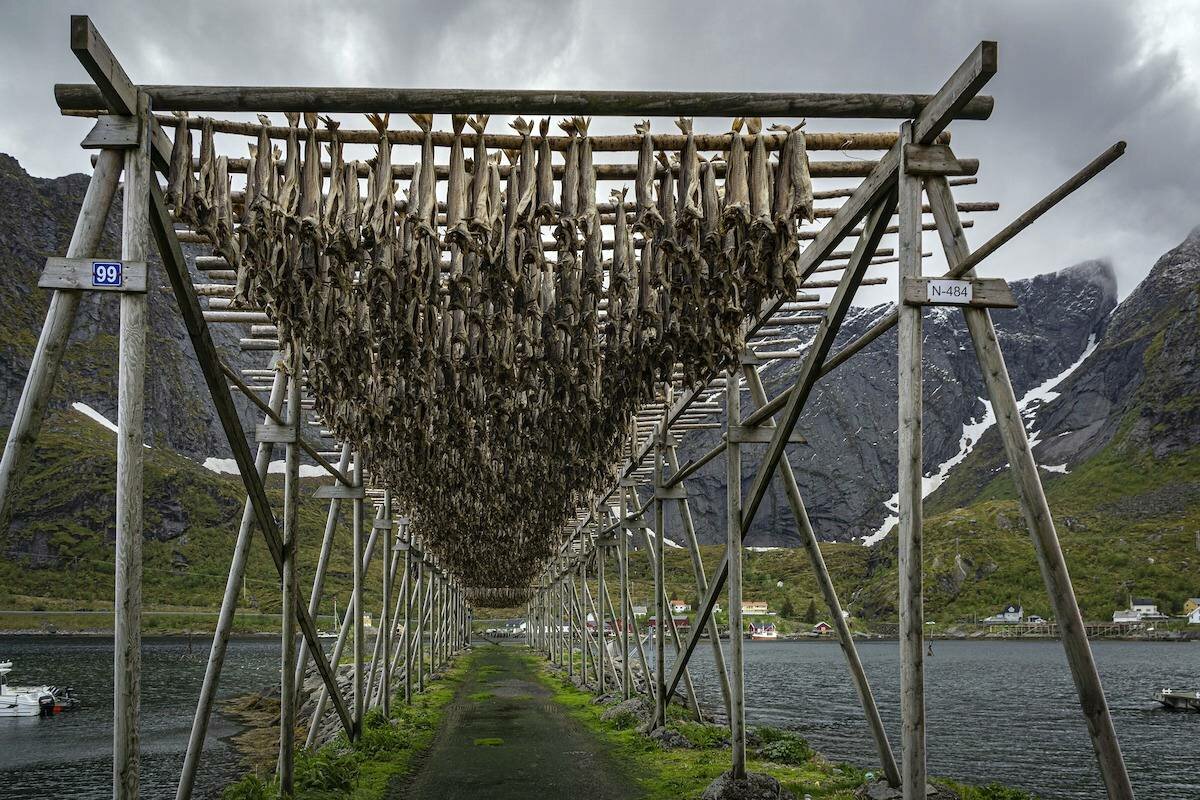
(234, 584)
(56, 330)
(408, 593)
(423, 602)
(623, 566)
(385, 622)
(569, 579)
(733, 547)
(1035, 508)
(318, 588)
(356, 598)
(127, 639)
(291, 497)
(912, 618)
(660, 580)
(602, 591)
(583, 626)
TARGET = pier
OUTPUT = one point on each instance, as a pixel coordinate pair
(496, 353)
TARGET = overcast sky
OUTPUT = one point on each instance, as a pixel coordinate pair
(1074, 77)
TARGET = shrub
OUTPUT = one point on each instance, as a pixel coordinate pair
(250, 787)
(783, 747)
(326, 771)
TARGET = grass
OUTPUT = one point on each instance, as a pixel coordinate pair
(363, 770)
(489, 741)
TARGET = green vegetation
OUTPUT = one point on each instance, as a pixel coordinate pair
(363, 770)
(489, 741)
(63, 513)
(682, 773)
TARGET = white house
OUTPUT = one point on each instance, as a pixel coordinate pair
(680, 607)
(1125, 615)
(640, 611)
(1011, 613)
(1194, 617)
(1146, 608)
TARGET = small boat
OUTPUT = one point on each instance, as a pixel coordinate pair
(32, 701)
(763, 633)
(1178, 701)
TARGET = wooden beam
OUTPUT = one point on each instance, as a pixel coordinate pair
(974, 292)
(937, 159)
(214, 376)
(113, 87)
(1036, 510)
(349, 100)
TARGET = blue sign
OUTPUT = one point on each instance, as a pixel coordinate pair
(107, 273)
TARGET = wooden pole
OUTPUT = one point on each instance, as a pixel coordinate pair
(623, 580)
(290, 598)
(845, 638)
(220, 645)
(358, 568)
(660, 589)
(602, 590)
(569, 576)
(583, 626)
(689, 528)
(1035, 509)
(318, 589)
(343, 636)
(127, 640)
(733, 547)
(56, 330)
(408, 596)
(385, 621)
(422, 602)
(910, 478)
(347, 100)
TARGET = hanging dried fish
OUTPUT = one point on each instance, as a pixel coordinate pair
(180, 178)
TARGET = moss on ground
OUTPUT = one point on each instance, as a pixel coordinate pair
(684, 773)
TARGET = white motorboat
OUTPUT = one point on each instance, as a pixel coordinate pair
(32, 701)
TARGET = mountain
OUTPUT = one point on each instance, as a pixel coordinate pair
(39, 215)
(846, 469)
(1109, 394)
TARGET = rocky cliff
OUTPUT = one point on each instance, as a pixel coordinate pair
(847, 467)
(39, 215)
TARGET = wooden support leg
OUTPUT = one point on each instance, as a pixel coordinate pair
(733, 546)
(1035, 508)
(601, 616)
(660, 591)
(408, 645)
(233, 586)
(421, 606)
(343, 635)
(385, 622)
(570, 625)
(358, 568)
(845, 639)
(912, 614)
(291, 503)
(318, 589)
(127, 638)
(623, 580)
(693, 543)
(56, 330)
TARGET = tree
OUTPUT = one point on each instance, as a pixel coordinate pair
(810, 616)
(787, 610)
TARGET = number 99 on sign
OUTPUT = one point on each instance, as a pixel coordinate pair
(106, 273)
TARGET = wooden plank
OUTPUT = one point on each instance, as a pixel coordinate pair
(348, 100)
(276, 433)
(733, 554)
(383, 524)
(111, 130)
(957, 94)
(937, 159)
(93, 274)
(113, 87)
(127, 547)
(753, 434)
(339, 491)
(974, 292)
(210, 366)
(910, 495)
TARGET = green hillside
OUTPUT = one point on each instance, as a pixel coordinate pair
(58, 549)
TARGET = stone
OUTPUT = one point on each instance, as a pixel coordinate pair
(670, 740)
(755, 786)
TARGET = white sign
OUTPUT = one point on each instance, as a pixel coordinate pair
(941, 291)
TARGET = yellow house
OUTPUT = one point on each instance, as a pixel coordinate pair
(754, 606)
(1190, 605)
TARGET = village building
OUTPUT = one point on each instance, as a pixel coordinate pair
(1011, 613)
(754, 607)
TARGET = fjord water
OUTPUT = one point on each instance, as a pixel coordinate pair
(1003, 711)
(998, 711)
(69, 756)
